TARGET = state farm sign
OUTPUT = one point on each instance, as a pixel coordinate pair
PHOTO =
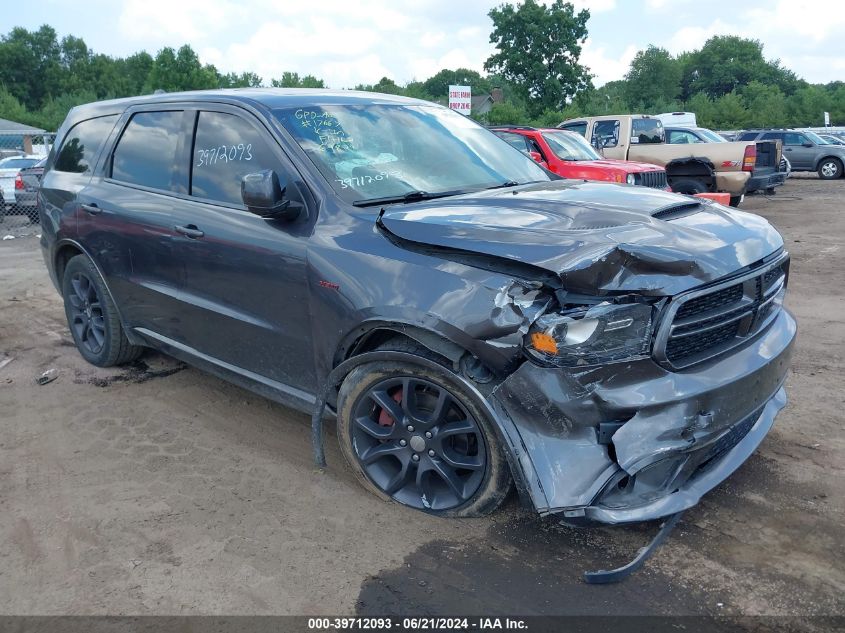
(460, 99)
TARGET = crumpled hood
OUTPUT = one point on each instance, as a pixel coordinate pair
(598, 237)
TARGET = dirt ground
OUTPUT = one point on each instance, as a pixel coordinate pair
(157, 489)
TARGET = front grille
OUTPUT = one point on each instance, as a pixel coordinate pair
(705, 323)
(656, 179)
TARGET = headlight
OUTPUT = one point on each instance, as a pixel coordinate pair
(591, 335)
(632, 180)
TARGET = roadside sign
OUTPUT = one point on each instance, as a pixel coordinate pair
(827, 119)
(460, 99)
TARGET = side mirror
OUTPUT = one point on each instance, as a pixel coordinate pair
(263, 194)
(536, 156)
(808, 144)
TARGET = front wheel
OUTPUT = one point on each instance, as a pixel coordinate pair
(413, 434)
(830, 169)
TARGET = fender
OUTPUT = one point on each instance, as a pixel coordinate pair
(522, 470)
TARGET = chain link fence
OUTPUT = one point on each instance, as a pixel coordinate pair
(22, 158)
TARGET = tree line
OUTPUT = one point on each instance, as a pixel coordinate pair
(728, 82)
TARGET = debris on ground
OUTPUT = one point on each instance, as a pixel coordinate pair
(48, 376)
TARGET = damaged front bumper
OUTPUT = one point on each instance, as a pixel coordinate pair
(634, 441)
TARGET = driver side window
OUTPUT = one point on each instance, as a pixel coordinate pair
(227, 148)
(606, 134)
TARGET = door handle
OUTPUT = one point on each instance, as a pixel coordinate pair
(91, 209)
(189, 231)
(787, 149)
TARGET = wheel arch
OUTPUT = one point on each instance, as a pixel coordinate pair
(827, 156)
(64, 252)
(693, 167)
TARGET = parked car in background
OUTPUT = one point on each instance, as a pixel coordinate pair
(805, 150)
(569, 155)
(9, 168)
(833, 140)
(685, 135)
(677, 119)
(785, 167)
(472, 319)
(27, 183)
(735, 168)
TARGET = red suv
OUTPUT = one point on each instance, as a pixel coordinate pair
(569, 155)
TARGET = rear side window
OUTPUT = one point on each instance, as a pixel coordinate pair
(768, 136)
(226, 149)
(514, 140)
(647, 131)
(750, 136)
(580, 127)
(146, 153)
(82, 143)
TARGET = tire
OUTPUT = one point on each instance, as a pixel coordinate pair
(393, 475)
(830, 169)
(689, 186)
(736, 200)
(92, 317)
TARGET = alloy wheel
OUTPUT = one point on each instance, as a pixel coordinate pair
(86, 314)
(829, 169)
(418, 443)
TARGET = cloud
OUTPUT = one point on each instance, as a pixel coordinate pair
(604, 66)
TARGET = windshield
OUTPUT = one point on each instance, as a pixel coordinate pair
(818, 140)
(711, 136)
(570, 146)
(17, 163)
(368, 152)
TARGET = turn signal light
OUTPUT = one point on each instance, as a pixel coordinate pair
(749, 158)
(542, 342)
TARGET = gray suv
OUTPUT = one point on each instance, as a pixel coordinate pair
(806, 151)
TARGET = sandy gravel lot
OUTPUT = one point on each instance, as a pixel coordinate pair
(157, 489)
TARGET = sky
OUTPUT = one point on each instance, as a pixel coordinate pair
(347, 42)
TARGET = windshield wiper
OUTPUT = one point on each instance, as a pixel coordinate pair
(504, 185)
(411, 196)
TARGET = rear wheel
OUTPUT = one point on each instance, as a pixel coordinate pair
(412, 434)
(92, 316)
(689, 186)
(830, 169)
(736, 200)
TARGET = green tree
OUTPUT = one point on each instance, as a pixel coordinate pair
(293, 80)
(11, 108)
(30, 65)
(507, 113)
(727, 62)
(438, 85)
(173, 71)
(538, 50)
(242, 80)
(653, 78)
(765, 105)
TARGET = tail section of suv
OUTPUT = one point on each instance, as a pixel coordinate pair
(472, 320)
(805, 150)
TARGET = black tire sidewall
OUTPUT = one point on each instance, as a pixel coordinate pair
(497, 481)
(111, 345)
(837, 163)
(690, 185)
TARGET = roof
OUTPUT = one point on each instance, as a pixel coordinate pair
(268, 97)
(479, 99)
(13, 127)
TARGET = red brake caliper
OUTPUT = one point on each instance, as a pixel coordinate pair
(384, 418)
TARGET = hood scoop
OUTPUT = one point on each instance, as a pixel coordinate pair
(677, 210)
